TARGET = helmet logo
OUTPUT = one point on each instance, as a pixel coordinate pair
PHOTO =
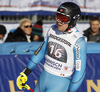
(61, 10)
(76, 16)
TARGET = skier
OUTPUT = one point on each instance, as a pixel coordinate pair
(64, 49)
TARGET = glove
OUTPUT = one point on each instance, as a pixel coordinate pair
(21, 81)
(22, 78)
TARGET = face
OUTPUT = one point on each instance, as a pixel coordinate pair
(27, 28)
(95, 26)
(62, 26)
(36, 38)
(1, 36)
(62, 21)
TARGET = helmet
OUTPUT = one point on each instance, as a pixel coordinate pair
(71, 10)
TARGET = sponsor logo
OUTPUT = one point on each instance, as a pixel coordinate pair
(53, 64)
(92, 87)
(61, 40)
(62, 74)
(78, 65)
(61, 10)
(65, 67)
(76, 16)
(38, 50)
(77, 50)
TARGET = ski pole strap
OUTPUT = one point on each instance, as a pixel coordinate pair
(28, 87)
(31, 90)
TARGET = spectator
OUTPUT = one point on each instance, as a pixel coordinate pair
(93, 32)
(23, 33)
(3, 31)
(37, 31)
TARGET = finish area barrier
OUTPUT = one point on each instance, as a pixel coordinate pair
(12, 64)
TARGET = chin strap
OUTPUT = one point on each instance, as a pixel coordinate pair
(67, 29)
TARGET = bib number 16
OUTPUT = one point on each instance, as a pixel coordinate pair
(56, 52)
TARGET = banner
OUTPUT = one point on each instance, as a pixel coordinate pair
(12, 64)
(10, 48)
(44, 7)
(91, 81)
(10, 68)
(28, 3)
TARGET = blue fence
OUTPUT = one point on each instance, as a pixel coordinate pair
(15, 56)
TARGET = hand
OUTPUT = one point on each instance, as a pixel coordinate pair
(21, 81)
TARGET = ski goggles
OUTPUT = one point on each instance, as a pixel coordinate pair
(62, 18)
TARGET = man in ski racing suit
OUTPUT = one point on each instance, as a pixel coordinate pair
(64, 49)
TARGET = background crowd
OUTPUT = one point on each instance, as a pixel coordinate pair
(28, 32)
